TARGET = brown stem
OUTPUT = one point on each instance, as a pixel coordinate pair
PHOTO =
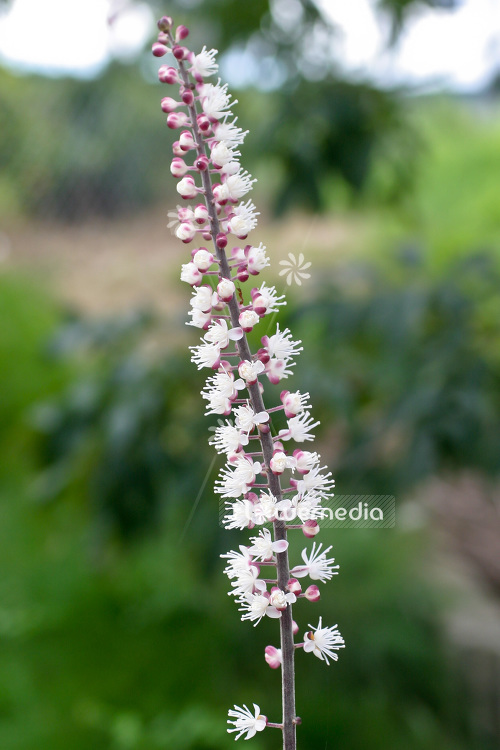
(257, 402)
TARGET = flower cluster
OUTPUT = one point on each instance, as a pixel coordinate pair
(273, 485)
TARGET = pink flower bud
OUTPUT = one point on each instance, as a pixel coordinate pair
(220, 193)
(187, 188)
(312, 594)
(177, 150)
(221, 240)
(310, 528)
(186, 140)
(248, 319)
(206, 236)
(295, 627)
(200, 213)
(201, 163)
(203, 123)
(180, 53)
(178, 167)
(167, 74)
(165, 23)
(182, 32)
(264, 356)
(168, 104)
(294, 586)
(203, 259)
(273, 656)
(225, 290)
(159, 49)
(191, 275)
(188, 97)
(242, 274)
(185, 232)
(177, 120)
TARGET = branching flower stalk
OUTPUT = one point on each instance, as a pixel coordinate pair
(210, 138)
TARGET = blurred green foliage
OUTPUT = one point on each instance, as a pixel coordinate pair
(142, 648)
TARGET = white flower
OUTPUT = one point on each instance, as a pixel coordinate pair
(266, 300)
(247, 722)
(276, 369)
(321, 484)
(215, 100)
(281, 344)
(263, 547)
(187, 188)
(307, 507)
(267, 507)
(203, 298)
(316, 565)
(225, 290)
(202, 259)
(255, 606)
(219, 334)
(246, 419)
(205, 355)
(191, 274)
(323, 642)
(228, 439)
(247, 582)
(185, 231)
(294, 403)
(243, 219)
(306, 461)
(229, 132)
(223, 153)
(248, 319)
(237, 185)
(257, 259)
(240, 515)
(280, 599)
(280, 461)
(250, 371)
(237, 561)
(204, 64)
(220, 390)
(199, 319)
(298, 428)
(236, 482)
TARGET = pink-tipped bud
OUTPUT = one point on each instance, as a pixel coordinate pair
(242, 274)
(202, 259)
(177, 150)
(203, 123)
(248, 319)
(187, 188)
(294, 586)
(221, 240)
(310, 528)
(163, 38)
(178, 167)
(206, 236)
(168, 104)
(181, 32)
(165, 23)
(295, 627)
(312, 594)
(188, 97)
(201, 164)
(167, 74)
(273, 656)
(200, 213)
(225, 290)
(159, 49)
(186, 140)
(177, 120)
(264, 356)
(185, 232)
(180, 53)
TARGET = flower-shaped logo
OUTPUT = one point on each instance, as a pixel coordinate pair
(294, 269)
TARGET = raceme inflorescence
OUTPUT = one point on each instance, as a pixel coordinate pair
(269, 481)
